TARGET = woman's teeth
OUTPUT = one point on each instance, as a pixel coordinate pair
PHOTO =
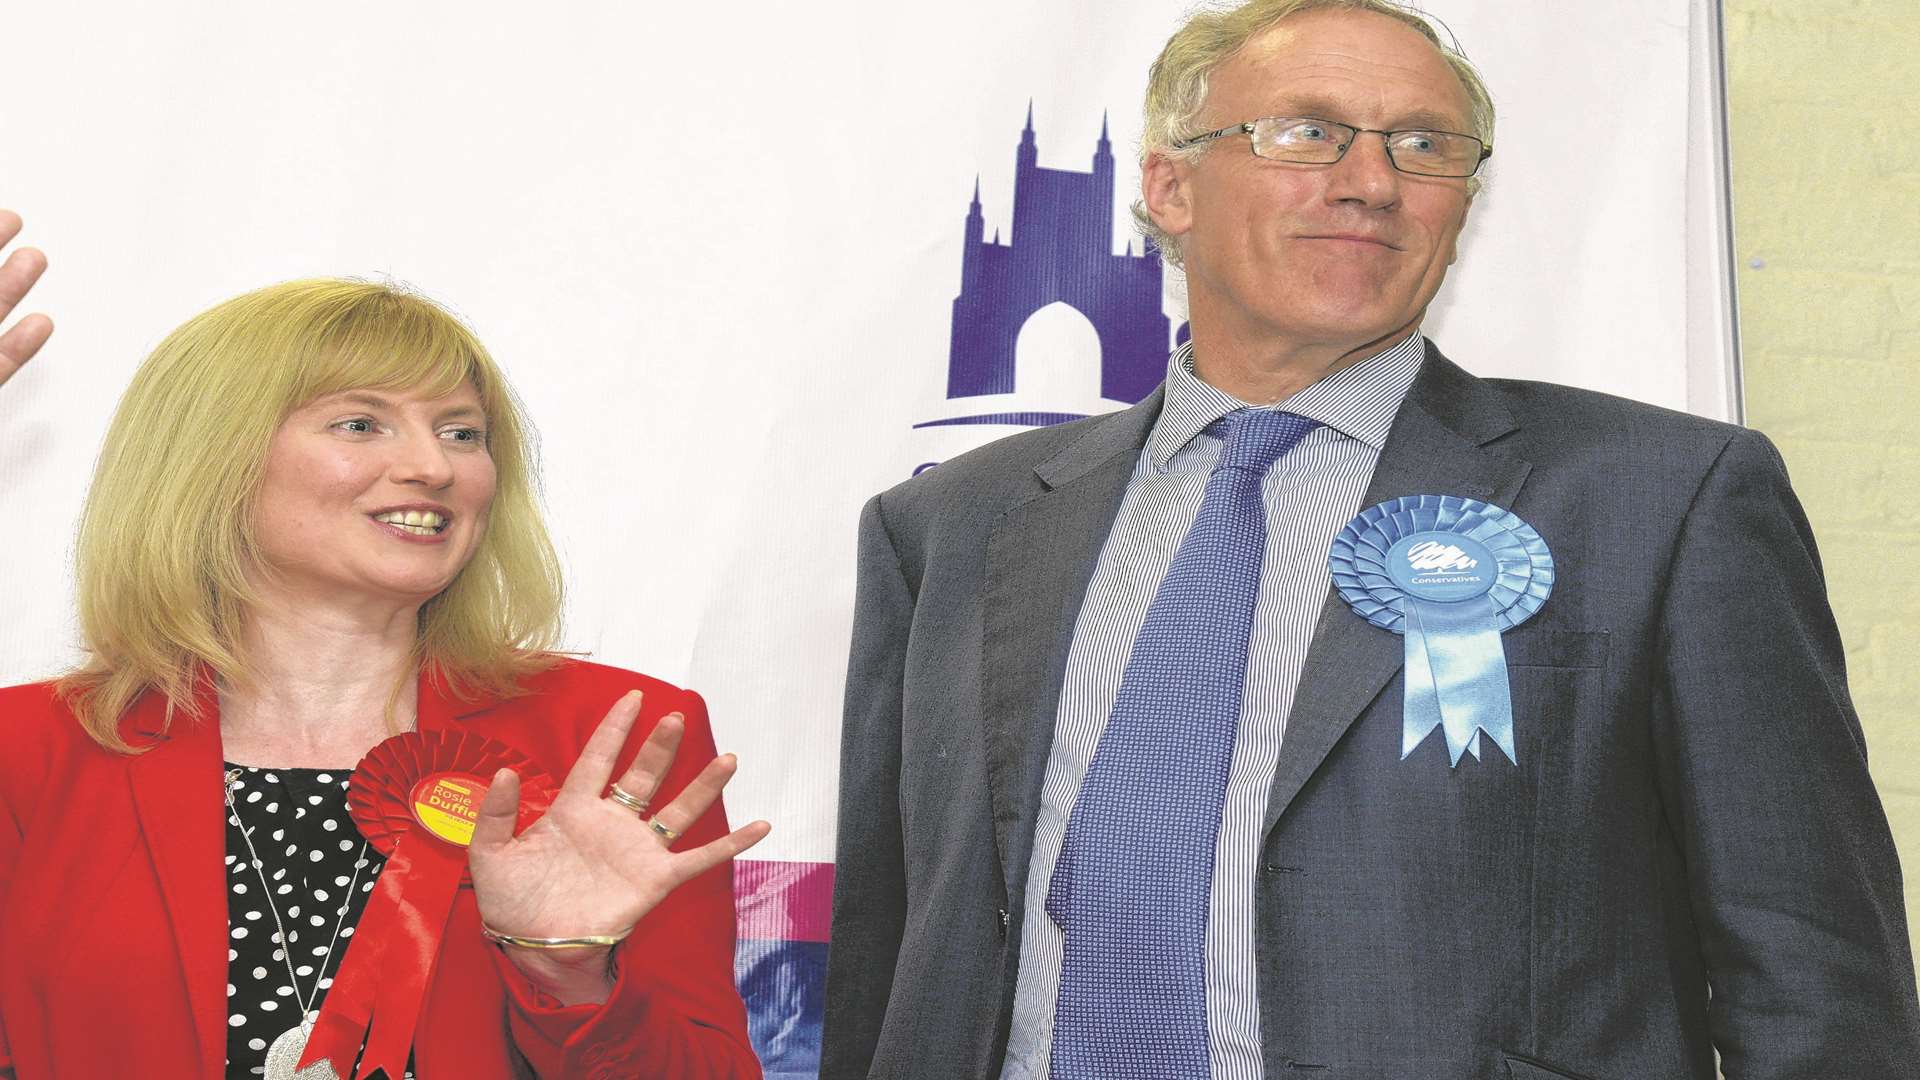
(417, 522)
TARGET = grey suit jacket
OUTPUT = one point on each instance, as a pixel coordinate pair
(1689, 854)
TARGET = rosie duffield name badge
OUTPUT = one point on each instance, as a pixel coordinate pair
(1450, 575)
(416, 798)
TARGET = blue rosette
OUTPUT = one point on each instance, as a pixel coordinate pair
(1449, 574)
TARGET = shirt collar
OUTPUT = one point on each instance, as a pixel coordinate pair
(1358, 401)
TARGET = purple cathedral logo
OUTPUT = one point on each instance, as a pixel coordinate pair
(1061, 251)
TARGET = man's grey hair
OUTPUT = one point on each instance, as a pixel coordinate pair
(1177, 84)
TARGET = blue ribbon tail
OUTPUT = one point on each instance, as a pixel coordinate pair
(1422, 709)
(1467, 666)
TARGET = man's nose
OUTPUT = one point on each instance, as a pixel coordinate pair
(1365, 174)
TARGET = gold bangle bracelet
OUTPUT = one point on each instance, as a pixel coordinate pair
(592, 941)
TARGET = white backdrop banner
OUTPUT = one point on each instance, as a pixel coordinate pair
(749, 264)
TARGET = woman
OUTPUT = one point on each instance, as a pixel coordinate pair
(313, 526)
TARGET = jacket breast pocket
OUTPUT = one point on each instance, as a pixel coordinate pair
(1558, 681)
(1519, 1068)
(1542, 646)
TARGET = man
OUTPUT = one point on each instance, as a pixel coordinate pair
(1129, 791)
(17, 276)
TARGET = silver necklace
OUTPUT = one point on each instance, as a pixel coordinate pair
(285, 1052)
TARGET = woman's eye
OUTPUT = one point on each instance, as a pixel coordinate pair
(359, 425)
(464, 435)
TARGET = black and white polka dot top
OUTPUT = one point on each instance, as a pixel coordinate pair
(320, 872)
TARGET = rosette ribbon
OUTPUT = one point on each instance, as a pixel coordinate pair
(1449, 574)
(415, 797)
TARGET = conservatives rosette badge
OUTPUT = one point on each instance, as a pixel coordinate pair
(1449, 574)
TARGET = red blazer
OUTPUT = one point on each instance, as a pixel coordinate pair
(113, 908)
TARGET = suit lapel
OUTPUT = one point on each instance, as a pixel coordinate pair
(177, 794)
(1040, 557)
(437, 707)
(1439, 445)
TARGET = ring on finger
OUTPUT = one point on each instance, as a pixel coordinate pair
(665, 833)
(629, 800)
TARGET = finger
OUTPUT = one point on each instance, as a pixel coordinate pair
(499, 810)
(588, 777)
(650, 765)
(687, 807)
(9, 227)
(691, 864)
(18, 345)
(17, 276)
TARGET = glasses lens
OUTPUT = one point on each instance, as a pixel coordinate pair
(1434, 153)
(1313, 142)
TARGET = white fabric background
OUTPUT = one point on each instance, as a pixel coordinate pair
(717, 249)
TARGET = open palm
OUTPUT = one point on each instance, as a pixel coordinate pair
(591, 866)
(17, 276)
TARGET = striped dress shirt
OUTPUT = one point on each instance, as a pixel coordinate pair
(1310, 494)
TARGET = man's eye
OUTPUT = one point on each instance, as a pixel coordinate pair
(1307, 133)
(1417, 142)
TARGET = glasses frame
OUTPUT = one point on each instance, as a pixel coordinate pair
(1386, 137)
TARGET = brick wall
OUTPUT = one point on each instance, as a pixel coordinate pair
(1826, 168)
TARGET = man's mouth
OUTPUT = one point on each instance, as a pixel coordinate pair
(1354, 238)
(417, 522)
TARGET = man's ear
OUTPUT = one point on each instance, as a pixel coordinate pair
(1165, 188)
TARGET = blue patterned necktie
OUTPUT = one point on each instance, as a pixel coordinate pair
(1130, 891)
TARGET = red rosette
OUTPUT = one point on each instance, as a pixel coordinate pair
(415, 797)
(381, 794)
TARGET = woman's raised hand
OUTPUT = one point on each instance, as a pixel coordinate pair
(592, 865)
(17, 276)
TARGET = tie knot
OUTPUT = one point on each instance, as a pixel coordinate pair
(1256, 438)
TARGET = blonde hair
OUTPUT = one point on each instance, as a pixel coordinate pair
(1177, 84)
(167, 540)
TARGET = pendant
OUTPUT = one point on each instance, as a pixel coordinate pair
(285, 1053)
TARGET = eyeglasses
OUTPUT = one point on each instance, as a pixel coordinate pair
(1306, 141)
